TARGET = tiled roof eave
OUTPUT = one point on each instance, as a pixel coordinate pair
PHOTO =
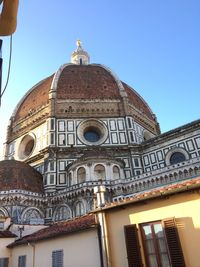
(187, 185)
(58, 230)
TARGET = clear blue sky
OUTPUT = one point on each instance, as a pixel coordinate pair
(154, 46)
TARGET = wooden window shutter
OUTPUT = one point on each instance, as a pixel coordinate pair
(132, 246)
(173, 241)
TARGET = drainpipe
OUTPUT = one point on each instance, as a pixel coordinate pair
(100, 194)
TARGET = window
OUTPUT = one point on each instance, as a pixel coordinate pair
(155, 245)
(22, 261)
(99, 172)
(79, 209)
(32, 216)
(81, 174)
(57, 258)
(70, 179)
(116, 173)
(48, 213)
(62, 178)
(1, 228)
(3, 262)
(62, 213)
(26, 146)
(61, 126)
(51, 179)
(92, 134)
(131, 136)
(52, 139)
(61, 139)
(52, 125)
(136, 161)
(161, 244)
(129, 122)
(51, 165)
(177, 157)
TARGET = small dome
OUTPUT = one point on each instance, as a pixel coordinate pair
(19, 175)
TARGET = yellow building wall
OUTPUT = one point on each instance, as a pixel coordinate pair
(184, 207)
(4, 251)
(80, 250)
(21, 251)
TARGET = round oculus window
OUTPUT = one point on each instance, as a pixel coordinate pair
(177, 157)
(92, 135)
(26, 146)
(92, 132)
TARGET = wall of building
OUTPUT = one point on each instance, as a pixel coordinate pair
(184, 207)
(79, 249)
(154, 157)
(4, 251)
(40, 138)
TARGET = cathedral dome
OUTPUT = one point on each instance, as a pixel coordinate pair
(82, 89)
(79, 100)
(80, 82)
(19, 175)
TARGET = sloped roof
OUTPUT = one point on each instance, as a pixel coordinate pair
(59, 229)
(164, 190)
(6, 234)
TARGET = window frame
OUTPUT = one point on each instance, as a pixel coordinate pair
(134, 243)
(155, 243)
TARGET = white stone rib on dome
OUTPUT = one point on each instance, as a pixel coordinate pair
(142, 99)
(57, 76)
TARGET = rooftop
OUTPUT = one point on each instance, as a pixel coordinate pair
(59, 229)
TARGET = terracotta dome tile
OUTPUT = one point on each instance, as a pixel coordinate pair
(86, 82)
(19, 175)
(37, 97)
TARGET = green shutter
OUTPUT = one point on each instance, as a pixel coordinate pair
(173, 241)
(132, 246)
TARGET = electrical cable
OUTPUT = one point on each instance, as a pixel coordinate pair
(9, 67)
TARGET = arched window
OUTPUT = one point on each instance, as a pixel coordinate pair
(177, 157)
(81, 175)
(32, 216)
(116, 173)
(62, 213)
(79, 209)
(99, 172)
